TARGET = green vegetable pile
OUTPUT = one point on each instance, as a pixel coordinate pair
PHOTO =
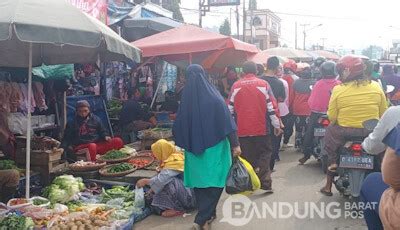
(120, 168)
(74, 205)
(114, 154)
(63, 189)
(16, 222)
(119, 192)
(7, 164)
(39, 202)
(114, 107)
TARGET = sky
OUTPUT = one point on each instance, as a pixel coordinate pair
(346, 24)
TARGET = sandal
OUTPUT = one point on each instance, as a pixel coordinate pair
(332, 168)
(326, 193)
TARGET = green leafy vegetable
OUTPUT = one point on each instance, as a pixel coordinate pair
(16, 222)
(114, 154)
(7, 164)
(118, 192)
(63, 188)
(120, 168)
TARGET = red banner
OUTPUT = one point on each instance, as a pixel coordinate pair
(95, 8)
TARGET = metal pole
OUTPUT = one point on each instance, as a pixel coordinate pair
(29, 127)
(200, 13)
(237, 22)
(159, 85)
(244, 20)
(304, 39)
(295, 36)
(230, 17)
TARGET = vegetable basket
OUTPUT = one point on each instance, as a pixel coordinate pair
(117, 160)
(86, 168)
(104, 171)
(141, 161)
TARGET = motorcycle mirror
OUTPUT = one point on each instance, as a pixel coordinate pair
(370, 124)
(389, 88)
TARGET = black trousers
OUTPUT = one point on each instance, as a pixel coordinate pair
(207, 201)
(308, 144)
(258, 152)
(276, 145)
(288, 122)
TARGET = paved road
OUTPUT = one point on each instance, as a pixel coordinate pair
(291, 183)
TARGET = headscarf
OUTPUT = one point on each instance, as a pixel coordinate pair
(203, 118)
(166, 152)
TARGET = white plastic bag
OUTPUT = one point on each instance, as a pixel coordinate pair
(139, 198)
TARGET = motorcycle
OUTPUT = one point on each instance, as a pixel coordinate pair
(319, 134)
(354, 164)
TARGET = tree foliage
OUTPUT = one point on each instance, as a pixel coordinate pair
(225, 28)
(173, 6)
(373, 52)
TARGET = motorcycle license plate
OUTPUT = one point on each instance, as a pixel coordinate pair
(319, 132)
(362, 162)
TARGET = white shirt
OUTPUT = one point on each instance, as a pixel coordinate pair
(284, 106)
(373, 143)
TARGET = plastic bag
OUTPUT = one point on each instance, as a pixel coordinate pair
(255, 181)
(238, 178)
(139, 198)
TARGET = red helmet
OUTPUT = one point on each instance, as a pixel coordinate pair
(353, 63)
(291, 65)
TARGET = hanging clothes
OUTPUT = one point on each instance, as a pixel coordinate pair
(39, 96)
(15, 97)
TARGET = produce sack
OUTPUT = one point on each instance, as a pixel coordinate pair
(255, 181)
(239, 179)
(139, 198)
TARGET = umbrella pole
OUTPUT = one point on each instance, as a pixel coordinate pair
(158, 86)
(28, 132)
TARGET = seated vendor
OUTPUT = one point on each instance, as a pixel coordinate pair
(171, 198)
(9, 180)
(170, 104)
(132, 117)
(86, 132)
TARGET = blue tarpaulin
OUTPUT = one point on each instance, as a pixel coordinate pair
(118, 11)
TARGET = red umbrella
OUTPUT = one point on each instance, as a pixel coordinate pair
(327, 54)
(262, 57)
(191, 44)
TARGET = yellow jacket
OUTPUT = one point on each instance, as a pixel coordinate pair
(351, 104)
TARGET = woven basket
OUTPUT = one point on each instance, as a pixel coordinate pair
(145, 153)
(112, 161)
(104, 171)
(150, 158)
(87, 168)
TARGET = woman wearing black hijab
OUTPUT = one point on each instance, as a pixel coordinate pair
(206, 131)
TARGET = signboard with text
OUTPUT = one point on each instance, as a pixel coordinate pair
(95, 8)
(223, 2)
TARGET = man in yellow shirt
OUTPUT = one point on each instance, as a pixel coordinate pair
(356, 100)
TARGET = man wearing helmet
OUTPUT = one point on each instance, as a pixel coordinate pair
(354, 101)
(318, 103)
(301, 94)
(316, 73)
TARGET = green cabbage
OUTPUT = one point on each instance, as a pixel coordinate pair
(63, 189)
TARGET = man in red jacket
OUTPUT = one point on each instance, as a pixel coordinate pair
(301, 109)
(251, 104)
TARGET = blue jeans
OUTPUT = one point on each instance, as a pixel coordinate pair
(371, 191)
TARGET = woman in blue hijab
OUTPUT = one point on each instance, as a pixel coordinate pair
(206, 131)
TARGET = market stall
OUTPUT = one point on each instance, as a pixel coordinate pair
(28, 40)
